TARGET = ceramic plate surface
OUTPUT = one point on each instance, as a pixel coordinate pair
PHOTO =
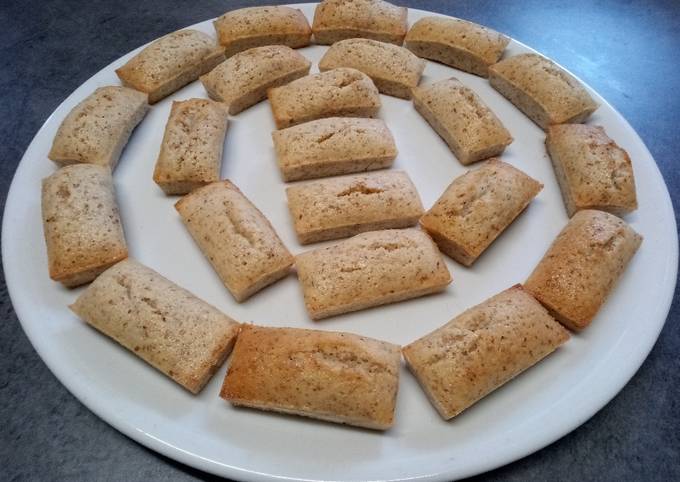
(540, 406)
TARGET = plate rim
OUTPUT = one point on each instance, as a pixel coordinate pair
(196, 461)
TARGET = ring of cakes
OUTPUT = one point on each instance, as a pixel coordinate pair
(393, 248)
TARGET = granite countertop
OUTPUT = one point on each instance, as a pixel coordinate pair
(628, 51)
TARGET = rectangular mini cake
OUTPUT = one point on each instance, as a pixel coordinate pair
(582, 265)
(335, 93)
(332, 146)
(481, 349)
(593, 172)
(393, 69)
(98, 128)
(332, 376)
(191, 151)
(171, 62)
(344, 206)
(243, 80)
(471, 130)
(477, 207)
(234, 235)
(546, 93)
(245, 28)
(81, 222)
(370, 269)
(336, 20)
(163, 324)
(458, 43)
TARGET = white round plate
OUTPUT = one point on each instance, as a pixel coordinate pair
(204, 431)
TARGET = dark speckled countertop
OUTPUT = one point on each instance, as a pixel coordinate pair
(628, 50)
